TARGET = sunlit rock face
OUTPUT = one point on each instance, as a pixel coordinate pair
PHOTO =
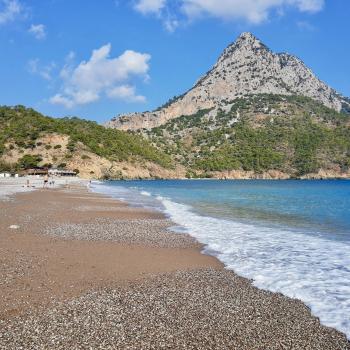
(246, 67)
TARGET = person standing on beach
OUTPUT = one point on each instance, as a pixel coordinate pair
(46, 180)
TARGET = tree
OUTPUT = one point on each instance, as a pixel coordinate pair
(29, 161)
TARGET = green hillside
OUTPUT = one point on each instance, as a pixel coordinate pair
(21, 128)
(292, 134)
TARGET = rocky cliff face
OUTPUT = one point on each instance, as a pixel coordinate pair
(246, 67)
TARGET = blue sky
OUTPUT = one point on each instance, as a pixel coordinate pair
(98, 58)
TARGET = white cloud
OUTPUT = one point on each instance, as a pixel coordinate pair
(125, 92)
(9, 10)
(70, 57)
(38, 30)
(161, 10)
(58, 99)
(171, 24)
(310, 5)
(149, 6)
(252, 11)
(45, 71)
(305, 26)
(102, 75)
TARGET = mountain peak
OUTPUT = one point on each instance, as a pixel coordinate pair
(246, 41)
(247, 36)
(246, 67)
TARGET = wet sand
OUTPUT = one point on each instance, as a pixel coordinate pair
(84, 271)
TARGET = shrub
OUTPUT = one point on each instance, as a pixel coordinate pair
(29, 161)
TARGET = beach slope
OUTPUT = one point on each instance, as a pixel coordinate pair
(79, 270)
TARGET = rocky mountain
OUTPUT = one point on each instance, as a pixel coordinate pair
(246, 67)
(255, 114)
(260, 136)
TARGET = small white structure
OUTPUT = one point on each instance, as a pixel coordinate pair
(5, 175)
(61, 172)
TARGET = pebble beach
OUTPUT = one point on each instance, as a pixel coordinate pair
(79, 270)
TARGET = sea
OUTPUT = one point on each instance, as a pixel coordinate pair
(287, 236)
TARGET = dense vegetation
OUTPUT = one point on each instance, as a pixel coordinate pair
(22, 127)
(292, 134)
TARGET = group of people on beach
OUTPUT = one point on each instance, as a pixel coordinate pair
(28, 184)
(48, 182)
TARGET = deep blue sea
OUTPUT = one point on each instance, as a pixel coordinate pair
(289, 236)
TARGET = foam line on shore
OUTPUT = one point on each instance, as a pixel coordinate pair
(310, 268)
(293, 264)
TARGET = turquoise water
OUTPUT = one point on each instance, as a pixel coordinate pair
(317, 206)
(291, 237)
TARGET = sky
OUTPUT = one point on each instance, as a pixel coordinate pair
(98, 58)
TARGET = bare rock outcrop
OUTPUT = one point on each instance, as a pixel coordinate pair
(246, 67)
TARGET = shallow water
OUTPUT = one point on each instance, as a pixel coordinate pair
(291, 237)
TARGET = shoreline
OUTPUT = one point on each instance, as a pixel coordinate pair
(228, 179)
(146, 260)
(12, 185)
(283, 269)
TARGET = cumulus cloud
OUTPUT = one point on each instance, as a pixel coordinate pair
(9, 10)
(125, 92)
(305, 26)
(102, 75)
(310, 5)
(162, 11)
(44, 71)
(38, 30)
(171, 24)
(149, 6)
(58, 99)
(252, 11)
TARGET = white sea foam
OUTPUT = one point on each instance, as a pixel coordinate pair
(129, 195)
(310, 268)
(145, 193)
